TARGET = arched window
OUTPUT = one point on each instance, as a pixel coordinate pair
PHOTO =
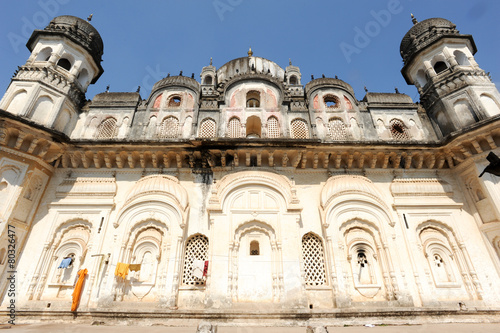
(336, 129)
(331, 101)
(273, 128)
(253, 99)
(107, 129)
(83, 77)
(174, 102)
(196, 249)
(64, 63)
(440, 67)
(314, 260)
(169, 128)
(44, 55)
(207, 79)
(254, 127)
(207, 128)
(399, 130)
(299, 129)
(461, 58)
(293, 80)
(234, 127)
(364, 273)
(254, 248)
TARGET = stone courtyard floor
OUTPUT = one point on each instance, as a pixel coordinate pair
(81, 328)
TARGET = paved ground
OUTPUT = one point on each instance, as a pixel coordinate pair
(80, 328)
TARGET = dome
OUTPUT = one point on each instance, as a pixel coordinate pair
(250, 65)
(77, 30)
(159, 184)
(328, 83)
(425, 33)
(347, 184)
(176, 81)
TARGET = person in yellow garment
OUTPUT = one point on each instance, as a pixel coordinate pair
(78, 289)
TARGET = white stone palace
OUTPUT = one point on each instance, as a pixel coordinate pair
(298, 198)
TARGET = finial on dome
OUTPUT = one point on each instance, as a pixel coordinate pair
(210, 61)
(89, 18)
(250, 53)
(413, 19)
(290, 61)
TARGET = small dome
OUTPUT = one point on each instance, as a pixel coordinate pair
(176, 81)
(77, 30)
(346, 184)
(327, 82)
(423, 34)
(250, 65)
(159, 184)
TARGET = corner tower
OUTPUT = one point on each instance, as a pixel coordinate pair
(439, 61)
(50, 88)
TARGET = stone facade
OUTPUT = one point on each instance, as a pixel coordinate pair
(299, 196)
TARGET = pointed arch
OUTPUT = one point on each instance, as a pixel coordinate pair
(208, 128)
(169, 128)
(196, 249)
(234, 127)
(299, 129)
(313, 258)
(107, 129)
(273, 128)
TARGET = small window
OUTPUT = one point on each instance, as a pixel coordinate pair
(440, 67)
(3, 185)
(293, 80)
(253, 99)
(175, 101)
(64, 63)
(254, 248)
(331, 101)
(207, 80)
(362, 261)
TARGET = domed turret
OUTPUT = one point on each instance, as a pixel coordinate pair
(439, 61)
(50, 88)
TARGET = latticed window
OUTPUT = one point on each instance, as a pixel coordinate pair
(299, 129)
(273, 128)
(169, 127)
(207, 128)
(234, 128)
(336, 129)
(107, 129)
(399, 131)
(314, 261)
(196, 249)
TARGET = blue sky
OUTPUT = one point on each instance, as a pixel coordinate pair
(145, 40)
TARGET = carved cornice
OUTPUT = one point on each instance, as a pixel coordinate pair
(54, 79)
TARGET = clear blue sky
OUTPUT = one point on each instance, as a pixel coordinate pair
(145, 40)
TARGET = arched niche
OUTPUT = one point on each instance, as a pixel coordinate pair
(255, 278)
